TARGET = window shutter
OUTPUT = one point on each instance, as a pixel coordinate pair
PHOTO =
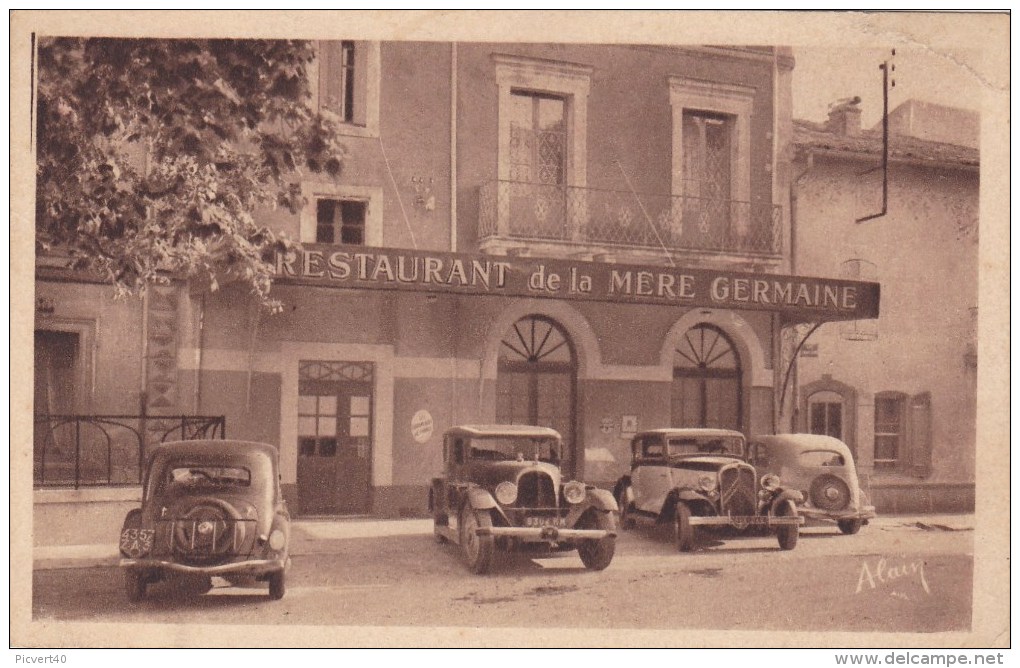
(360, 111)
(919, 426)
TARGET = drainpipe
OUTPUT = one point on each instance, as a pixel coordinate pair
(793, 210)
(453, 147)
(794, 198)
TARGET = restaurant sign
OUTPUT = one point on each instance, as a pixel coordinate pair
(453, 273)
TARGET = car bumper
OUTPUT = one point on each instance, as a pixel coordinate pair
(744, 521)
(865, 513)
(544, 534)
(252, 567)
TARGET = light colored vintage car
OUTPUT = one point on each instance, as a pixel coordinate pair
(823, 468)
(693, 478)
(502, 488)
(209, 508)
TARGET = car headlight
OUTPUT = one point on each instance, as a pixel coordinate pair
(574, 492)
(277, 539)
(770, 482)
(707, 483)
(506, 493)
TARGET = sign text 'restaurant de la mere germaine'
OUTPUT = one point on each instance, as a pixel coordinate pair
(425, 271)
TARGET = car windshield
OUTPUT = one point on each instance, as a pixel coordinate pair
(821, 458)
(706, 445)
(516, 448)
(207, 477)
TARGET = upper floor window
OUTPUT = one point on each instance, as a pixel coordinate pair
(543, 120)
(538, 138)
(337, 77)
(348, 84)
(341, 214)
(711, 181)
(340, 221)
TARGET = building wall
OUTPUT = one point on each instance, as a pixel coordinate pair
(925, 255)
(629, 117)
(111, 341)
(438, 353)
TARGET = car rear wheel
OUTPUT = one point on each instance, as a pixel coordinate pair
(683, 532)
(597, 554)
(787, 533)
(850, 527)
(477, 549)
(134, 586)
(277, 585)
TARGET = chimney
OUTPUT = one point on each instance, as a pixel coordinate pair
(845, 117)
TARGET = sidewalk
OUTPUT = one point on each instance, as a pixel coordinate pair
(309, 536)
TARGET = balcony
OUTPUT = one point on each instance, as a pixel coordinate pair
(591, 220)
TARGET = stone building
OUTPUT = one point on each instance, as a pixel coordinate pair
(901, 391)
(591, 237)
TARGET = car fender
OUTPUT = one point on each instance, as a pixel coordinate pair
(480, 499)
(621, 485)
(602, 500)
(683, 495)
(133, 519)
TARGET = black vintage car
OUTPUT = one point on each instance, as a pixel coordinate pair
(209, 508)
(502, 488)
(692, 478)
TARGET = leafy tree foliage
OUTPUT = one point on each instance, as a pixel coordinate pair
(153, 155)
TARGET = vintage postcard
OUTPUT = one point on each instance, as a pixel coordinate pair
(509, 329)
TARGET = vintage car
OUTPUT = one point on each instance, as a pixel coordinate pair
(690, 479)
(209, 508)
(502, 488)
(823, 469)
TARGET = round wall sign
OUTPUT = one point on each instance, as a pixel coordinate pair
(421, 426)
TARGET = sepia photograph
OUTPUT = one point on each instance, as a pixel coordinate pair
(509, 329)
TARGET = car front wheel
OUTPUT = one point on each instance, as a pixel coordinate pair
(477, 549)
(850, 527)
(597, 554)
(788, 533)
(277, 585)
(683, 531)
(134, 585)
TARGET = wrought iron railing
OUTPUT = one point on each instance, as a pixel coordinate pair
(592, 216)
(108, 450)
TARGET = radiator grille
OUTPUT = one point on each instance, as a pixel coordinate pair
(737, 490)
(536, 490)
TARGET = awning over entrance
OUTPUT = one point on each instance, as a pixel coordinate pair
(796, 298)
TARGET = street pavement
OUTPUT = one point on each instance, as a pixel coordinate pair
(899, 574)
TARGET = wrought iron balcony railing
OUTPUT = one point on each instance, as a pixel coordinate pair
(592, 216)
(108, 450)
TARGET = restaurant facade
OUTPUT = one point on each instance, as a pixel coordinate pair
(589, 237)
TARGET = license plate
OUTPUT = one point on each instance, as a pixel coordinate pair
(750, 520)
(136, 542)
(545, 522)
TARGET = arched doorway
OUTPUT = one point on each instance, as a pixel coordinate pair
(707, 380)
(536, 381)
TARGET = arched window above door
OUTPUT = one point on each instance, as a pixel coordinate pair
(705, 347)
(535, 339)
